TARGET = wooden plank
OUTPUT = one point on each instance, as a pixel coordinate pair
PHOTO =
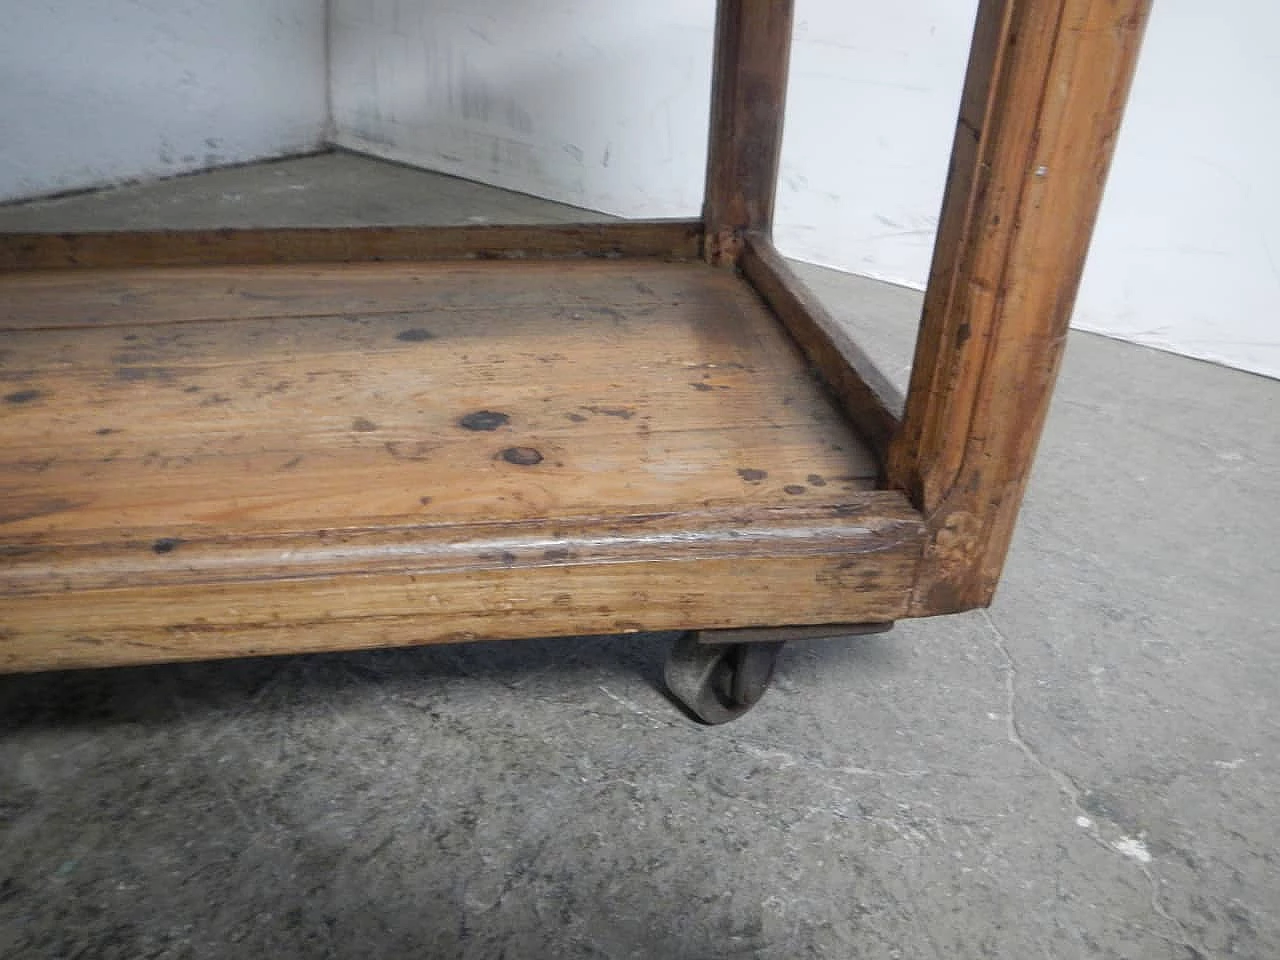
(459, 466)
(1042, 103)
(867, 523)
(872, 404)
(748, 97)
(45, 299)
(636, 238)
(357, 610)
(285, 422)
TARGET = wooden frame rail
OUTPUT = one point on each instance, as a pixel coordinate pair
(1042, 102)
(748, 100)
(173, 248)
(1041, 106)
(872, 404)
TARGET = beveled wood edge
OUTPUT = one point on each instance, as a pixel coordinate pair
(849, 563)
(400, 611)
(862, 525)
(870, 401)
(675, 239)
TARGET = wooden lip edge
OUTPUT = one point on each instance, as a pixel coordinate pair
(189, 642)
(873, 523)
(681, 239)
(869, 399)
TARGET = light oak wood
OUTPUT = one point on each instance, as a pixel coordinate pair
(748, 100)
(202, 456)
(359, 589)
(635, 238)
(872, 404)
(146, 295)
(1042, 102)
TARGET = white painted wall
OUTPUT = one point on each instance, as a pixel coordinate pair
(604, 105)
(97, 91)
(1186, 256)
(871, 111)
(598, 104)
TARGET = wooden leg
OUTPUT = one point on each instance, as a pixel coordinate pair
(753, 47)
(1042, 101)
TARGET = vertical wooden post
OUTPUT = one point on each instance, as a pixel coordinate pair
(748, 94)
(1042, 102)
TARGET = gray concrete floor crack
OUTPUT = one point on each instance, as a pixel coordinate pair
(1073, 792)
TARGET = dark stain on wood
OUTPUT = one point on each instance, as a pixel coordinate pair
(794, 489)
(704, 387)
(576, 417)
(815, 481)
(484, 420)
(363, 425)
(522, 456)
(415, 335)
(751, 475)
(557, 553)
(290, 464)
(22, 396)
(166, 545)
(106, 431)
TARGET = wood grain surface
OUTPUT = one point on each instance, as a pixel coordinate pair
(872, 404)
(1042, 103)
(193, 458)
(633, 238)
(748, 101)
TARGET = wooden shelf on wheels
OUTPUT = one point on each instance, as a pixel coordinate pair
(231, 459)
(230, 442)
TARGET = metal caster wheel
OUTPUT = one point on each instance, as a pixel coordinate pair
(719, 682)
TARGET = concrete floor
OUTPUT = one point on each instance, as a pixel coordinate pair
(1089, 769)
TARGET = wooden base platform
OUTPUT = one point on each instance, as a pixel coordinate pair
(202, 461)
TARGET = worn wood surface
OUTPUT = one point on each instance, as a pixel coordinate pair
(872, 404)
(635, 238)
(748, 100)
(1043, 97)
(194, 459)
(451, 584)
